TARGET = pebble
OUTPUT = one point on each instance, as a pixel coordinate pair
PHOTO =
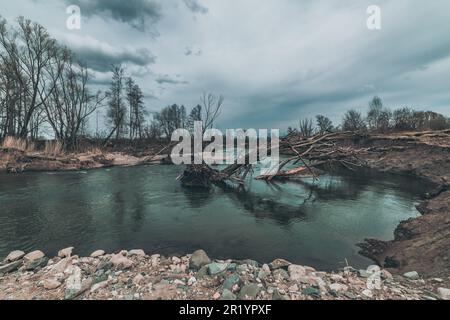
(51, 284)
(413, 275)
(121, 262)
(139, 253)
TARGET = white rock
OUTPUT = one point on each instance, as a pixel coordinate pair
(444, 293)
(368, 293)
(121, 262)
(138, 280)
(137, 252)
(51, 284)
(73, 283)
(65, 253)
(100, 285)
(176, 260)
(97, 254)
(33, 256)
(296, 272)
(155, 259)
(14, 256)
(192, 281)
(338, 287)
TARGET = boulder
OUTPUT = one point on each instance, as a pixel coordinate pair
(10, 267)
(216, 268)
(66, 253)
(97, 254)
(279, 264)
(14, 256)
(444, 293)
(51, 284)
(227, 295)
(121, 262)
(33, 256)
(73, 284)
(137, 252)
(37, 264)
(231, 281)
(280, 274)
(296, 272)
(249, 291)
(199, 259)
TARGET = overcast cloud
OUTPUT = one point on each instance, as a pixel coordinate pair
(275, 61)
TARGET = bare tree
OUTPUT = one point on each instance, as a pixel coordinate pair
(71, 103)
(306, 128)
(324, 124)
(170, 119)
(137, 112)
(353, 121)
(212, 108)
(28, 52)
(116, 113)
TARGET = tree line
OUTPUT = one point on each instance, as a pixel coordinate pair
(378, 119)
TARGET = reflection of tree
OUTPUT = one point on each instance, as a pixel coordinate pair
(198, 197)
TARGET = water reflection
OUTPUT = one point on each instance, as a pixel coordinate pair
(315, 223)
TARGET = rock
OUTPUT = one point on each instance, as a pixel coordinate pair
(368, 293)
(251, 263)
(10, 267)
(413, 275)
(386, 274)
(364, 274)
(121, 262)
(279, 264)
(191, 281)
(231, 281)
(296, 272)
(155, 259)
(100, 285)
(266, 269)
(61, 266)
(14, 256)
(51, 284)
(203, 272)
(216, 296)
(337, 287)
(227, 295)
(73, 284)
(444, 293)
(312, 292)
(277, 296)
(199, 259)
(138, 280)
(136, 252)
(249, 291)
(293, 288)
(36, 264)
(33, 256)
(66, 253)
(280, 274)
(97, 254)
(263, 274)
(216, 268)
(176, 260)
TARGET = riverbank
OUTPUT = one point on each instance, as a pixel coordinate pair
(421, 243)
(133, 275)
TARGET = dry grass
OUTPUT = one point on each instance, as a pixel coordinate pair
(53, 148)
(18, 144)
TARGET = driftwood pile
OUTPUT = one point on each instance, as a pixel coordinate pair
(309, 153)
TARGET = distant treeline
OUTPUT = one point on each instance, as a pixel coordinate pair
(378, 119)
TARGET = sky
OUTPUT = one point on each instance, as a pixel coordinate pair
(274, 61)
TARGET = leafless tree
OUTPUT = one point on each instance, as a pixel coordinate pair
(212, 109)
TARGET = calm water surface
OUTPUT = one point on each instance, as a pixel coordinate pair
(316, 224)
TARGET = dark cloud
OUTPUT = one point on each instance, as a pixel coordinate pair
(195, 6)
(189, 51)
(99, 56)
(166, 79)
(141, 14)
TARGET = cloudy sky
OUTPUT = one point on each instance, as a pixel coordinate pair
(275, 61)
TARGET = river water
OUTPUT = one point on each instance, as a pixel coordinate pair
(315, 224)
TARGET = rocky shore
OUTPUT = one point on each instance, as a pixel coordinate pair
(133, 275)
